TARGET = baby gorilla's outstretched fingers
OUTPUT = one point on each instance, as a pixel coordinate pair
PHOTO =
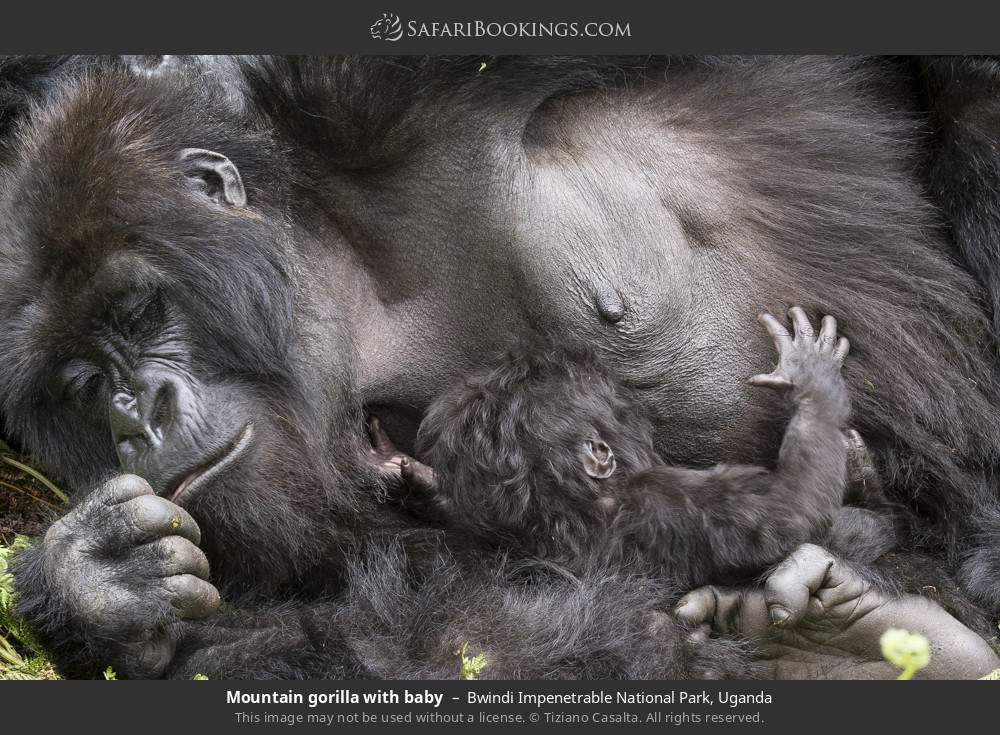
(782, 342)
(827, 333)
(803, 327)
(780, 335)
(827, 340)
(843, 347)
(802, 353)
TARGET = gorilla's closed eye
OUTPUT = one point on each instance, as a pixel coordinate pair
(79, 381)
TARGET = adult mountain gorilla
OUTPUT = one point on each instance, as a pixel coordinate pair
(207, 280)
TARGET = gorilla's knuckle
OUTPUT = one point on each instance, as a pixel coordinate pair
(123, 487)
(173, 549)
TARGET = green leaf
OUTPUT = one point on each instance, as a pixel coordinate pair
(110, 675)
(907, 651)
(472, 667)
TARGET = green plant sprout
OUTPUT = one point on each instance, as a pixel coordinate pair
(910, 652)
(472, 667)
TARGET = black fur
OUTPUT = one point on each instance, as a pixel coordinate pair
(808, 170)
(509, 448)
(96, 178)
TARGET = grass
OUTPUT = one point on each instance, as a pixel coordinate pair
(28, 502)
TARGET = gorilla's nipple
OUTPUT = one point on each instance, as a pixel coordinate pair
(609, 304)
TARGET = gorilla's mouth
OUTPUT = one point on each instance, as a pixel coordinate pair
(216, 465)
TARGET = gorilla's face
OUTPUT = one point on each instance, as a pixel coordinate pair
(168, 418)
(146, 310)
(149, 318)
(124, 341)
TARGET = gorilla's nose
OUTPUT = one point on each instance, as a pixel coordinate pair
(141, 418)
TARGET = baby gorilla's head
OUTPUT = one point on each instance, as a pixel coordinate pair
(528, 452)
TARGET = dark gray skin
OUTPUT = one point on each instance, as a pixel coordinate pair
(437, 263)
(817, 618)
(97, 549)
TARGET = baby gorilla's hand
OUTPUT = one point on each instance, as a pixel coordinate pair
(409, 478)
(806, 356)
(383, 455)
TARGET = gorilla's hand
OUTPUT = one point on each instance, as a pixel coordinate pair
(121, 568)
(817, 618)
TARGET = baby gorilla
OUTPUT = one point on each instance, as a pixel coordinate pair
(549, 454)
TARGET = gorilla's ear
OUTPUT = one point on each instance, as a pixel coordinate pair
(598, 459)
(216, 174)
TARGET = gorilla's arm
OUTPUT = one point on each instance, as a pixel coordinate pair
(707, 525)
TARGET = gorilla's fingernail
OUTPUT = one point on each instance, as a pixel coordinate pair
(778, 614)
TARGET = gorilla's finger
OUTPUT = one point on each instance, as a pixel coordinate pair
(379, 439)
(418, 477)
(192, 597)
(697, 607)
(777, 330)
(789, 587)
(176, 555)
(827, 333)
(770, 380)
(122, 489)
(843, 347)
(715, 606)
(803, 327)
(860, 467)
(149, 517)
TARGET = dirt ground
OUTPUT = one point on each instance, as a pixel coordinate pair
(26, 505)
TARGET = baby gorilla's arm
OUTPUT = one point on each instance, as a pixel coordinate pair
(733, 520)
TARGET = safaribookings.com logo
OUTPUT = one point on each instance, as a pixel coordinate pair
(390, 28)
(387, 28)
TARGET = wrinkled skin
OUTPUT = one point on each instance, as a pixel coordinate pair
(159, 573)
(420, 217)
(817, 618)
